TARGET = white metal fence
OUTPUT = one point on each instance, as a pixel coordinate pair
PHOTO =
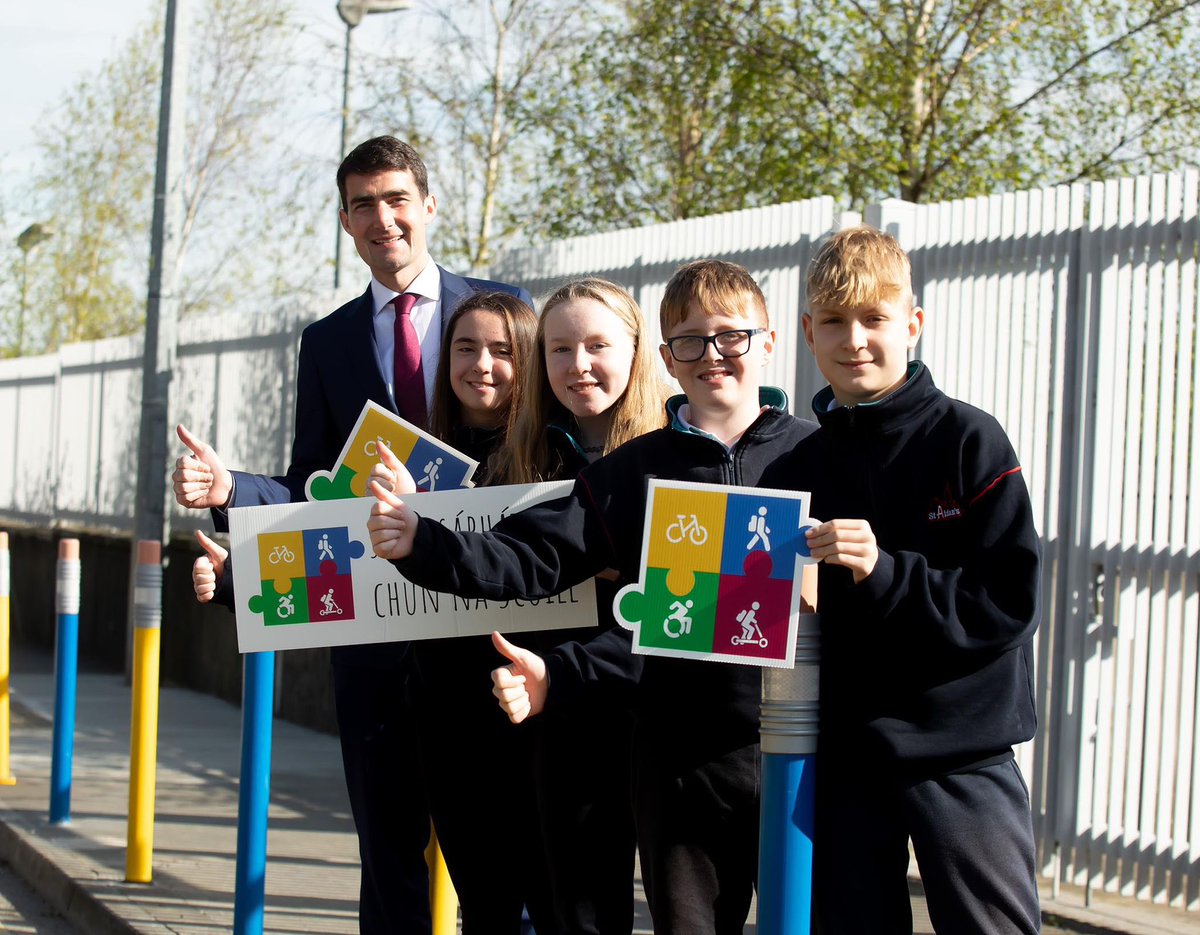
(1070, 313)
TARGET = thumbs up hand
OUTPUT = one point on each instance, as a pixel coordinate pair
(390, 472)
(200, 480)
(208, 568)
(520, 686)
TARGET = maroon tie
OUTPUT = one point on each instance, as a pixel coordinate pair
(408, 378)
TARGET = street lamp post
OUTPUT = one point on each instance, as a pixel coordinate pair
(352, 13)
(29, 238)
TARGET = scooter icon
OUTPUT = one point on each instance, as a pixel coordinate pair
(751, 632)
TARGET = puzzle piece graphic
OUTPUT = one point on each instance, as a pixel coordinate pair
(331, 596)
(435, 468)
(718, 573)
(340, 487)
(676, 620)
(410, 444)
(331, 546)
(756, 525)
(281, 555)
(306, 576)
(685, 535)
(752, 610)
(279, 602)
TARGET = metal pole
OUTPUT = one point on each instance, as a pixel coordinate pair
(66, 667)
(143, 732)
(443, 900)
(158, 357)
(337, 244)
(788, 733)
(6, 776)
(21, 317)
(254, 794)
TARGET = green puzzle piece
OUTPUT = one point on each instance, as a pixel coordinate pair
(666, 620)
(289, 605)
(323, 487)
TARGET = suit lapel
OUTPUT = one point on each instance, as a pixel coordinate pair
(454, 290)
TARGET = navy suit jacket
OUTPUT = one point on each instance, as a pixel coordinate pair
(337, 373)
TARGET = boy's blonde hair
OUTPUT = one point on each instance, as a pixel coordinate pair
(857, 267)
(528, 456)
(716, 286)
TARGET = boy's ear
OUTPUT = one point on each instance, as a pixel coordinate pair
(768, 346)
(668, 360)
(807, 324)
(916, 324)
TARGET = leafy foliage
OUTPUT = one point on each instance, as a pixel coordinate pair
(96, 179)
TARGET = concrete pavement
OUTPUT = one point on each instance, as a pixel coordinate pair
(312, 866)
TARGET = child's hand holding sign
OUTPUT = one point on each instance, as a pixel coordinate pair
(392, 524)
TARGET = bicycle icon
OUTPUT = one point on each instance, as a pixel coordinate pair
(689, 529)
(281, 553)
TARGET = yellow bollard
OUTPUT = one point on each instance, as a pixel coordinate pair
(6, 776)
(443, 901)
(143, 734)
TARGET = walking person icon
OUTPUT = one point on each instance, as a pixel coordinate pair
(324, 549)
(758, 526)
(431, 475)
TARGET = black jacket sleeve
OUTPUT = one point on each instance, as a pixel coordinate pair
(989, 601)
(526, 556)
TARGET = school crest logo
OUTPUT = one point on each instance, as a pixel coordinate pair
(944, 507)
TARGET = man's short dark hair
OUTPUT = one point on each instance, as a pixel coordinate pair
(382, 154)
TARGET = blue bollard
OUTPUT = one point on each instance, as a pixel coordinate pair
(254, 793)
(66, 671)
(788, 733)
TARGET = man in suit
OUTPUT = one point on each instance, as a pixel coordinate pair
(381, 346)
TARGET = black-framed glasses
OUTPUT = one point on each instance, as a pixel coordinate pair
(689, 347)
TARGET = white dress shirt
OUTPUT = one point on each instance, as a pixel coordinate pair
(426, 318)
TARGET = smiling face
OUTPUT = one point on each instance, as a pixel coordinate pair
(481, 367)
(387, 217)
(589, 356)
(721, 389)
(863, 350)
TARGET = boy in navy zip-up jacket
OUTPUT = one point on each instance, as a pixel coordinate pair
(696, 737)
(929, 601)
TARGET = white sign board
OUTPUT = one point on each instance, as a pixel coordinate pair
(305, 575)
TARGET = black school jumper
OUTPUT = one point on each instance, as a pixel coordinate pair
(478, 770)
(926, 666)
(696, 733)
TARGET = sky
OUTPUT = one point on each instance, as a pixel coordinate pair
(44, 50)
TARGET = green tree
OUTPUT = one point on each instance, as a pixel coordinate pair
(946, 98)
(659, 119)
(679, 108)
(94, 186)
(462, 99)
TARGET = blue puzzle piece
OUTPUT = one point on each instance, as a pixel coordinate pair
(764, 525)
(434, 468)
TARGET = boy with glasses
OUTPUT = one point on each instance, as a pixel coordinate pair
(696, 738)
